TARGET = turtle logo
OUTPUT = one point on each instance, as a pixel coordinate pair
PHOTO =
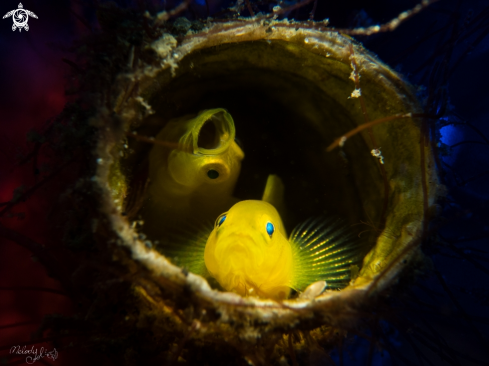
(20, 17)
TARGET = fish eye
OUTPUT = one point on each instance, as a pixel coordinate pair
(221, 220)
(213, 174)
(270, 229)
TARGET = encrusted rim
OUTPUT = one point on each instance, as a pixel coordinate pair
(329, 44)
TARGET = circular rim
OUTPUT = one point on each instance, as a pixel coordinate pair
(326, 308)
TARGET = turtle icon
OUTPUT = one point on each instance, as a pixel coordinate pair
(20, 17)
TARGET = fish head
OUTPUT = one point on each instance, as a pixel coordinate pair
(196, 170)
(248, 251)
(206, 154)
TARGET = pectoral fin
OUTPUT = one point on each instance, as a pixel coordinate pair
(324, 249)
(185, 247)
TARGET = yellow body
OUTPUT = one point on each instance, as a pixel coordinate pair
(244, 258)
(181, 187)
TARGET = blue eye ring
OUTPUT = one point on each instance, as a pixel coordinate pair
(270, 229)
(221, 220)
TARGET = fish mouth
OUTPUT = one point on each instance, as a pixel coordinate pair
(238, 249)
(241, 246)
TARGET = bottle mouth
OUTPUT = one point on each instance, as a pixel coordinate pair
(288, 116)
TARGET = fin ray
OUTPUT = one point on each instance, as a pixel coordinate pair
(185, 247)
(324, 249)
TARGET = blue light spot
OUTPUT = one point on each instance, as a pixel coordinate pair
(270, 228)
(450, 134)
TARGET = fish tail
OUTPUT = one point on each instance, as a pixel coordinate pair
(324, 249)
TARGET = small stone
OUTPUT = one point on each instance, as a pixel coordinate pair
(181, 25)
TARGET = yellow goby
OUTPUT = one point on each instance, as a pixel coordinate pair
(248, 251)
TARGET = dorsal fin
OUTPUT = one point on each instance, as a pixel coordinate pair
(274, 193)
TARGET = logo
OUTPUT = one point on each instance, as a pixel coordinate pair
(20, 17)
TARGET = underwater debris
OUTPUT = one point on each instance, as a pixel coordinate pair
(378, 154)
(356, 93)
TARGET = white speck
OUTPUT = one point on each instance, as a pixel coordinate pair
(306, 40)
(100, 161)
(240, 33)
(378, 154)
(342, 141)
(145, 104)
(356, 93)
(276, 9)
